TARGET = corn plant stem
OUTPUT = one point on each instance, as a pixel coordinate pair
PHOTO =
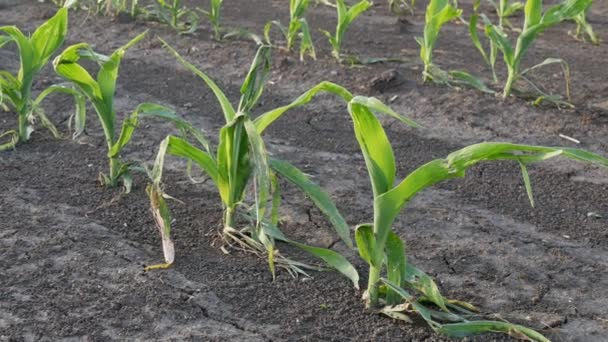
(229, 217)
(114, 172)
(509, 84)
(426, 75)
(23, 124)
(24, 111)
(372, 285)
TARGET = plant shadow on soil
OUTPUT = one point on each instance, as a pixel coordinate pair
(73, 253)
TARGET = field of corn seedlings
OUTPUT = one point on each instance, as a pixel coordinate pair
(74, 249)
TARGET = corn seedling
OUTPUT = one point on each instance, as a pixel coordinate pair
(536, 22)
(298, 28)
(240, 162)
(406, 289)
(346, 16)
(100, 92)
(16, 91)
(174, 14)
(505, 9)
(489, 56)
(401, 7)
(214, 17)
(438, 13)
(583, 28)
(114, 7)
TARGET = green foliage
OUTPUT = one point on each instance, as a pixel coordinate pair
(489, 57)
(173, 13)
(438, 13)
(106, 7)
(214, 17)
(100, 92)
(584, 30)
(114, 7)
(382, 249)
(346, 16)
(16, 90)
(505, 9)
(298, 27)
(400, 7)
(536, 22)
(240, 161)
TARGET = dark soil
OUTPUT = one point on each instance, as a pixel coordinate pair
(72, 253)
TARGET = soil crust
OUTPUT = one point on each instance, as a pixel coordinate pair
(72, 253)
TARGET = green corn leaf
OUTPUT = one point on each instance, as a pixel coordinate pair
(26, 53)
(227, 109)
(501, 40)
(266, 119)
(5, 40)
(107, 77)
(332, 258)
(181, 148)
(426, 285)
(475, 37)
(512, 8)
(527, 183)
(425, 313)
(395, 265)
(306, 42)
(184, 126)
(49, 37)
(79, 115)
(375, 146)
(254, 83)
(464, 78)
(533, 13)
(234, 166)
(261, 169)
(376, 106)
(130, 123)
(472, 328)
(364, 235)
(66, 66)
(319, 197)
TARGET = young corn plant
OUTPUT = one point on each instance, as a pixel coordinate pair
(173, 13)
(489, 56)
(16, 90)
(405, 289)
(536, 22)
(438, 13)
(214, 17)
(298, 28)
(584, 29)
(241, 162)
(101, 92)
(346, 16)
(505, 9)
(114, 7)
(401, 7)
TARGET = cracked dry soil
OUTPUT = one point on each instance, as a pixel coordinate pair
(71, 255)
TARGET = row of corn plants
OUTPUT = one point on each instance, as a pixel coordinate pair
(241, 169)
(512, 44)
(394, 287)
(438, 13)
